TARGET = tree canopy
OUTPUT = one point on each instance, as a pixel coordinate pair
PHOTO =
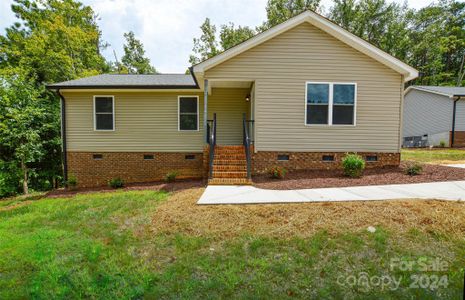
(134, 60)
(52, 41)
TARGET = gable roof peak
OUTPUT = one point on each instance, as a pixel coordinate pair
(322, 23)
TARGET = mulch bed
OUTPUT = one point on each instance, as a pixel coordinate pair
(156, 186)
(379, 176)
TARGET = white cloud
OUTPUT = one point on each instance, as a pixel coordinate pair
(167, 27)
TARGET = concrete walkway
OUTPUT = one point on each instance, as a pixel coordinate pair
(462, 166)
(221, 194)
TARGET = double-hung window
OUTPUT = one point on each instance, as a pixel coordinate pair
(188, 107)
(330, 103)
(104, 113)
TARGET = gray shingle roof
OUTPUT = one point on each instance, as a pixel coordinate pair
(129, 81)
(445, 90)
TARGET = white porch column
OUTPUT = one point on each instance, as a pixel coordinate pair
(205, 107)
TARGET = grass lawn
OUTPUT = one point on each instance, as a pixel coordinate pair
(439, 156)
(151, 244)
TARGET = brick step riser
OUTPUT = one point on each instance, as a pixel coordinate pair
(230, 181)
(230, 154)
(229, 150)
(229, 157)
(222, 174)
(227, 162)
(229, 147)
(226, 168)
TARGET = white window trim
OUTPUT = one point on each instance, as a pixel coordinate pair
(330, 104)
(179, 110)
(113, 112)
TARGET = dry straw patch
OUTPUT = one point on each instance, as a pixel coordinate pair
(181, 214)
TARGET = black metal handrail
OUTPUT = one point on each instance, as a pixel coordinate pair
(246, 142)
(211, 139)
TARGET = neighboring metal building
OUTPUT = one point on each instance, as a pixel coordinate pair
(429, 116)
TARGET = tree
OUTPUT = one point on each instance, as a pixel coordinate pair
(438, 42)
(22, 119)
(231, 36)
(383, 24)
(206, 46)
(134, 60)
(54, 40)
(278, 11)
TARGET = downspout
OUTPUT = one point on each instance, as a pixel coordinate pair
(63, 137)
(454, 112)
(205, 109)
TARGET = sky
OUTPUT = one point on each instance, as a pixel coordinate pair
(167, 27)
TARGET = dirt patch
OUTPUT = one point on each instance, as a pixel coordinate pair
(181, 214)
(15, 205)
(156, 186)
(335, 178)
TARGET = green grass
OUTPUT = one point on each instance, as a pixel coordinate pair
(434, 156)
(101, 246)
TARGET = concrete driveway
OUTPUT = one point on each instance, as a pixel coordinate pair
(221, 194)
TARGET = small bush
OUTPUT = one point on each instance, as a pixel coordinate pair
(171, 176)
(72, 182)
(442, 144)
(278, 172)
(353, 165)
(413, 169)
(116, 183)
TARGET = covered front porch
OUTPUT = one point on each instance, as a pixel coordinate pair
(230, 102)
(228, 120)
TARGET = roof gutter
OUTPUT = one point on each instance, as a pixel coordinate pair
(63, 137)
(127, 87)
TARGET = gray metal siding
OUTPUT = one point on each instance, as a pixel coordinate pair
(426, 113)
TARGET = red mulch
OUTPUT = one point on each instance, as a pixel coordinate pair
(156, 186)
(335, 178)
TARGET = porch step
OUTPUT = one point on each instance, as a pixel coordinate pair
(229, 162)
(230, 152)
(230, 181)
(229, 168)
(229, 174)
(229, 156)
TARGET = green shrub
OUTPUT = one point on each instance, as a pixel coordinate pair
(442, 144)
(171, 176)
(116, 183)
(413, 169)
(353, 165)
(72, 182)
(278, 172)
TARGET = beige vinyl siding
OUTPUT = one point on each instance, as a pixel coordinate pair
(144, 121)
(229, 105)
(280, 68)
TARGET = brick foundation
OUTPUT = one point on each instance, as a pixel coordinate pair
(131, 166)
(263, 160)
(459, 138)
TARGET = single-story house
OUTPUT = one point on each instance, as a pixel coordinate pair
(434, 115)
(299, 95)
